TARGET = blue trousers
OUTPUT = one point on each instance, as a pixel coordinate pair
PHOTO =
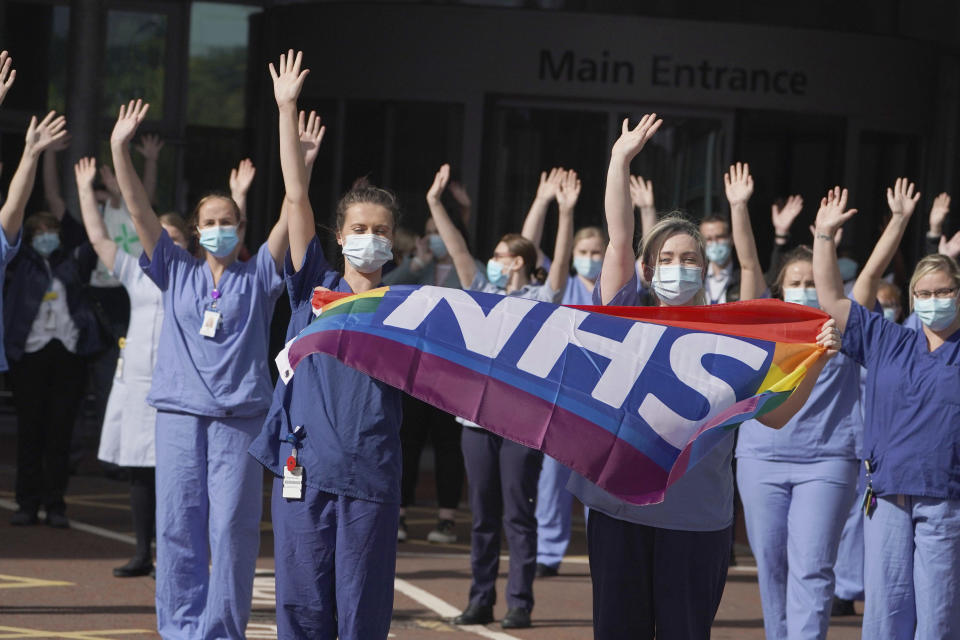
(209, 493)
(502, 478)
(849, 565)
(794, 514)
(335, 563)
(650, 582)
(912, 569)
(554, 503)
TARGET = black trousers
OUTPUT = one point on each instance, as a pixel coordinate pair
(503, 478)
(47, 387)
(422, 421)
(650, 582)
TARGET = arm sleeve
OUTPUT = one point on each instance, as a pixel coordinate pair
(7, 250)
(868, 334)
(167, 258)
(124, 269)
(627, 296)
(314, 271)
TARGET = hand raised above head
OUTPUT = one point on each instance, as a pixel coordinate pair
(738, 183)
(440, 181)
(938, 212)
(631, 141)
(128, 121)
(549, 184)
(568, 191)
(833, 212)
(641, 192)
(7, 74)
(783, 217)
(85, 170)
(241, 177)
(46, 133)
(901, 198)
(150, 146)
(311, 135)
(288, 81)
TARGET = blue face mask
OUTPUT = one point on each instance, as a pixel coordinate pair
(936, 313)
(495, 274)
(587, 267)
(848, 269)
(718, 252)
(220, 241)
(676, 285)
(890, 314)
(45, 243)
(437, 248)
(799, 295)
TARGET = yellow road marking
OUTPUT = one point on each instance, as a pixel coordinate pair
(19, 582)
(22, 632)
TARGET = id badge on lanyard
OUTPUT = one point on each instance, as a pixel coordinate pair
(212, 320)
(292, 471)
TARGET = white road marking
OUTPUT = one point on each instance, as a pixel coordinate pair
(446, 610)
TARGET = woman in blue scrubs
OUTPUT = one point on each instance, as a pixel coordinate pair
(335, 531)
(554, 502)
(911, 441)
(211, 389)
(659, 570)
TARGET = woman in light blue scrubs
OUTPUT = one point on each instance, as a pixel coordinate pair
(911, 441)
(211, 388)
(659, 570)
(554, 502)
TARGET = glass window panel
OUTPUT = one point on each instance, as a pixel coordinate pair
(59, 43)
(134, 60)
(218, 64)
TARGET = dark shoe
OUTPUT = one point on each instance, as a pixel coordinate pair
(475, 614)
(518, 618)
(57, 521)
(842, 607)
(443, 533)
(133, 569)
(23, 518)
(546, 571)
(402, 530)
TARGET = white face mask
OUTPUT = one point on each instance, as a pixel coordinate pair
(800, 295)
(676, 285)
(367, 252)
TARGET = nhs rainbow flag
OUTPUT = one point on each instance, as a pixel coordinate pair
(629, 397)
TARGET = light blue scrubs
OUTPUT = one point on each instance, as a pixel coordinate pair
(7, 253)
(554, 502)
(911, 437)
(211, 395)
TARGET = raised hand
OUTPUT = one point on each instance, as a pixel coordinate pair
(568, 191)
(631, 141)
(950, 247)
(311, 135)
(439, 184)
(85, 171)
(738, 184)
(938, 213)
(641, 192)
(459, 193)
(44, 134)
(241, 177)
(7, 74)
(289, 81)
(833, 212)
(549, 184)
(902, 199)
(150, 146)
(129, 119)
(783, 217)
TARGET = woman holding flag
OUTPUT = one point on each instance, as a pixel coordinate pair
(659, 570)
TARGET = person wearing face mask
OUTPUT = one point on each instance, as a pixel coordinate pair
(331, 436)
(554, 502)
(430, 265)
(911, 443)
(211, 391)
(502, 475)
(723, 275)
(659, 570)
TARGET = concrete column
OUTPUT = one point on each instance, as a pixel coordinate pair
(87, 26)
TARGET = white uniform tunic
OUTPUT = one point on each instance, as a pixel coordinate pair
(127, 438)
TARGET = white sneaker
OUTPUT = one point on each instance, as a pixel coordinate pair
(443, 533)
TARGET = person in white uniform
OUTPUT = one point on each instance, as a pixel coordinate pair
(127, 438)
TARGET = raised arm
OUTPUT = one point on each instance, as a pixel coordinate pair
(51, 178)
(7, 74)
(149, 148)
(296, 208)
(241, 177)
(641, 193)
(902, 201)
(938, 214)
(783, 217)
(739, 187)
(619, 261)
(826, 274)
(39, 137)
(546, 193)
(462, 198)
(568, 192)
(452, 238)
(85, 171)
(144, 218)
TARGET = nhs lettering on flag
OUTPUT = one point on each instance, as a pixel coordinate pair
(634, 379)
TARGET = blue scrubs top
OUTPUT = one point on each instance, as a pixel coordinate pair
(701, 500)
(350, 444)
(912, 406)
(576, 292)
(227, 375)
(7, 253)
(828, 426)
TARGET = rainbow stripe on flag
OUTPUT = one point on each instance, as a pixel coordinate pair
(630, 397)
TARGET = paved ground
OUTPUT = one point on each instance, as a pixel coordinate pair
(58, 584)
